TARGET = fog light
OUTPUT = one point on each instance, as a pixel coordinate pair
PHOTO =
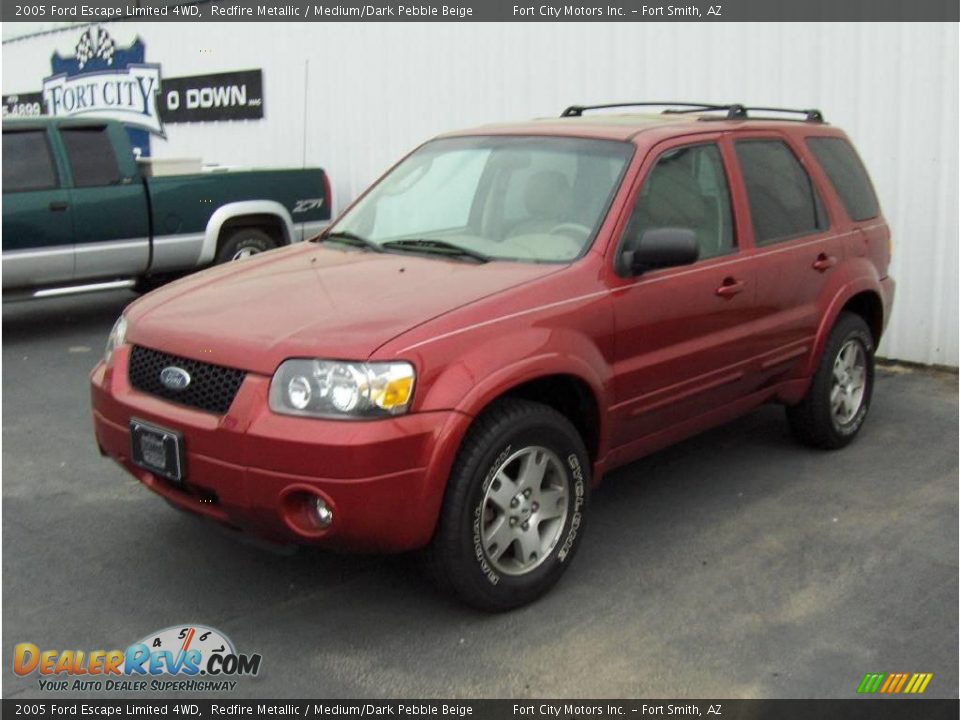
(322, 514)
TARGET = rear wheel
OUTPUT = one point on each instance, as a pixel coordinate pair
(512, 515)
(244, 243)
(834, 408)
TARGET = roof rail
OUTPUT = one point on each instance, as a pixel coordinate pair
(809, 115)
(578, 110)
(734, 111)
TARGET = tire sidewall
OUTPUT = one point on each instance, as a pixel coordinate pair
(243, 239)
(859, 332)
(508, 590)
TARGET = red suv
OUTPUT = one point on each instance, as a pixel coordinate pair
(506, 315)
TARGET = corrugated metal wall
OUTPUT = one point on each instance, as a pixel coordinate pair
(353, 98)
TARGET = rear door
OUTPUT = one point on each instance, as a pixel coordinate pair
(683, 342)
(797, 246)
(37, 222)
(110, 213)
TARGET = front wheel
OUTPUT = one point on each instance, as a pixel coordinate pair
(834, 408)
(513, 513)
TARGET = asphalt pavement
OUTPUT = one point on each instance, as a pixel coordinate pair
(736, 564)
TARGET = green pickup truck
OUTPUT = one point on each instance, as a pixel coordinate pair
(79, 214)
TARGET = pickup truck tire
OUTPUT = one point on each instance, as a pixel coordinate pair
(512, 516)
(244, 243)
(835, 406)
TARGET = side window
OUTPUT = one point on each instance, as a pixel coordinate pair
(687, 188)
(783, 201)
(847, 175)
(92, 160)
(27, 163)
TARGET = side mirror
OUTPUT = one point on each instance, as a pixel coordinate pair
(661, 248)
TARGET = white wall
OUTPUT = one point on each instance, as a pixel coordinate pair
(352, 98)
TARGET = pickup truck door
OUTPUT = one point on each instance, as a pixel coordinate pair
(684, 334)
(37, 221)
(111, 219)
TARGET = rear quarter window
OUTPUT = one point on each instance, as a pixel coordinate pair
(847, 175)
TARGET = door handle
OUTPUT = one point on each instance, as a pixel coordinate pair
(58, 206)
(730, 287)
(824, 262)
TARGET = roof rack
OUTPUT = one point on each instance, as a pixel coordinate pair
(734, 111)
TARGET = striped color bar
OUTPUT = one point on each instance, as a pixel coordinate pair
(918, 683)
(894, 683)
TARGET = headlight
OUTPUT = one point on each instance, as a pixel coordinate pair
(338, 389)
(117, 337)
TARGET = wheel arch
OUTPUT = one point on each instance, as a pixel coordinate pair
(268, 215)
(860, 298)
(568, 394)
(868, 305)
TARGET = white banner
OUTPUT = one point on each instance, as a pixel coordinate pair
(128, 95)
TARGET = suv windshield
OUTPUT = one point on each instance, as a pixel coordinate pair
(535, 199)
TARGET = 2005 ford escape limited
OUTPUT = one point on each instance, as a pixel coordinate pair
(505, 316)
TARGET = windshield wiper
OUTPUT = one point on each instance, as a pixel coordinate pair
(440, 247)
(349, 238)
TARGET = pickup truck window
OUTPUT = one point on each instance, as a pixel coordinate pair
(533, 199)
(92, 159)
(687, 188)
(783, 202)
(27, 163)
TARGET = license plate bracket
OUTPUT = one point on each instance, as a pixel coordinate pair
(157, 449)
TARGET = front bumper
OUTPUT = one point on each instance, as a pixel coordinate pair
(251, 468)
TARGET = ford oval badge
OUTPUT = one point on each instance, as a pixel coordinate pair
(174, 378)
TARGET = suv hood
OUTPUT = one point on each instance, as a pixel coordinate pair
(311, 301)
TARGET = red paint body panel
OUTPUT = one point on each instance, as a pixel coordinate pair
(663, 355)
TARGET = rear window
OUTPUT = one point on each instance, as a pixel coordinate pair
(783, 201)
(27, 164)
(847, 175)
(92, 160)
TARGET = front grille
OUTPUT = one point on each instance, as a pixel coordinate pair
(212, 387)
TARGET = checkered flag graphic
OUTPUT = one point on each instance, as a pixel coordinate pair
(95, 43)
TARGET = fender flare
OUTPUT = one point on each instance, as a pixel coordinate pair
(532, 368)
(840, 299)
(239, 209)
(468, 387)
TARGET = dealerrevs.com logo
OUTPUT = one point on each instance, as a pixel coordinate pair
(178, 658)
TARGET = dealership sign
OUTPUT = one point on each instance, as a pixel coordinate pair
(128, 95)
(203, 98)
(103, 80)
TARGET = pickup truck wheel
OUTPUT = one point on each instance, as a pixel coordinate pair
(244, 243)
(512, 516)
(835, 406)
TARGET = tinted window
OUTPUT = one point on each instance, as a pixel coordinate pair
(92, 160)
(847, 175)
(783, 202)
(687, 188)
(27, 164)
